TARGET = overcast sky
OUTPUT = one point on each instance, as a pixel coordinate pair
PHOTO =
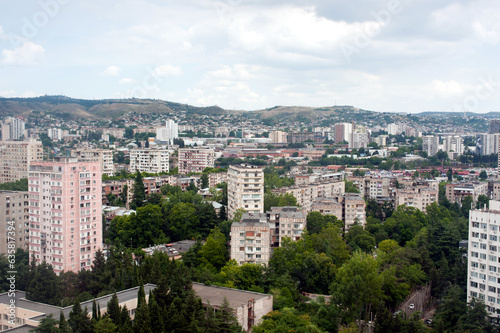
(381, 55)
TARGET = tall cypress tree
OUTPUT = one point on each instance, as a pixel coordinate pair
(63, 324)
(139, 194)
(125, 321)
(142, 319)
(155, 314)
(114, 309)
(141, 295)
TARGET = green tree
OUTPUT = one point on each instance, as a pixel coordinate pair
(358, 287)
(79, 320)
(63, 324)
(483, 201)
(204, 180)
(47, 325)
(113, 309)
(183, 221)
(129, 133)
(214, 251)
(350, 187)
(44, 287)
(105, 325)
(483, 175)
(139, 192)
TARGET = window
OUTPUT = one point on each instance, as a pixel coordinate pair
(492, 289)
(473, 284)
(493, 269)
(493, 238)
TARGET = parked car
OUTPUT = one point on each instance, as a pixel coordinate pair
(412, 306)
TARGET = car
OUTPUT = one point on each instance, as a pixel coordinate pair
(412, 306)
(428, 321)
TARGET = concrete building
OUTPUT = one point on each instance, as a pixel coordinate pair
(248, 307)
(104, 156)
(55, 134)
(342, 132)
(306, 194)
(456, 192)
(149, 160)
(251, 239)
(287, 221)
(393, 129)
(372, 187)
(494, 126)
(349, 207)
(65, 213)
(381, 140)
(245, 189)
(359, 140)
(430, 144)
(195, 159)
(419, 196)
(278, 137)
(487, 144)
(216, 178)
(169, 132)
(13, 129)
(15, 158)
(453, 145)
(14, 221)
(483, 267)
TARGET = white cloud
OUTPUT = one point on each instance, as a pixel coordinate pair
(127, 80)
(8, 93)
(447, 89)
(111, 71)
(3, 35)
(27, 54)
(486, 34)
(167, 70)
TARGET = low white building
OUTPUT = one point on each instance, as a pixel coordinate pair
(149, 160)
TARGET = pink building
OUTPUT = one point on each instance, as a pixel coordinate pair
(65, 212)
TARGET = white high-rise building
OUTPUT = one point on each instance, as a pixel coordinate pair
(104, 156)
(430, 144)
(55, 133)
(149, 160)
(13, 129)
(169, 132)
(359, 140)
(453, 145)
(195, 159)
(393, 129)
(343, 132)
(245, 189)
(487, 144)
(483, 269)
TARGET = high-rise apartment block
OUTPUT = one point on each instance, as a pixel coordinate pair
(494, 126)
(430, 144)
(483, 269)
(169, 132)
(14, 221)
(13, 129)
(149, 160)
(195, 159)
(65, 213)
(278, 137)
(104, 156)
(15, 158)
(55, 133)
(245, 189)
(487, 144)
(251, 239)
(453, 145)
(342, 132)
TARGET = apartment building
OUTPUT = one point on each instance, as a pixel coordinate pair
(348, 207)
(483, 267)
(195, 159)
(487, 144)
(14, 221)
(342, 132)
(278, 137)
(251, 239)
(419, 196)
(104, 156)
(372, 187)
(149, 160)
(306, 194)
(55, 134)
(13, 129)
(456, 192)
(169, 132)
(289, 221)
(430, 144)
(453, 145)
(65, 212)
(245, 189)
(216, 178)
(15, 158)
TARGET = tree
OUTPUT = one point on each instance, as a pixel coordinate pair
(227, 319)
(44, 286)
(442, 156)
(466, 205)
(105, 325)
(214, 251)
(47, 325)
(63, 324)
(129, 133)
(358, 287)
(483, 175)
(139, 192)
(114, 309)
(222, 213)
(79, 320)
(483, 201)
(204, 180)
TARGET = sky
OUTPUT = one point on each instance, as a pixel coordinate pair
(381, 55)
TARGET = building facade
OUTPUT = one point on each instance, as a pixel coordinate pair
(13, 129)
(15, 158)
(245, 189)
(149, 160)
(169, 132)
(289, 221)
(14, 221)
(195, 159)
(278, 136)
(251, 239)
(430, 144)
(483, 267)
(65, 213)
(104, 156)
